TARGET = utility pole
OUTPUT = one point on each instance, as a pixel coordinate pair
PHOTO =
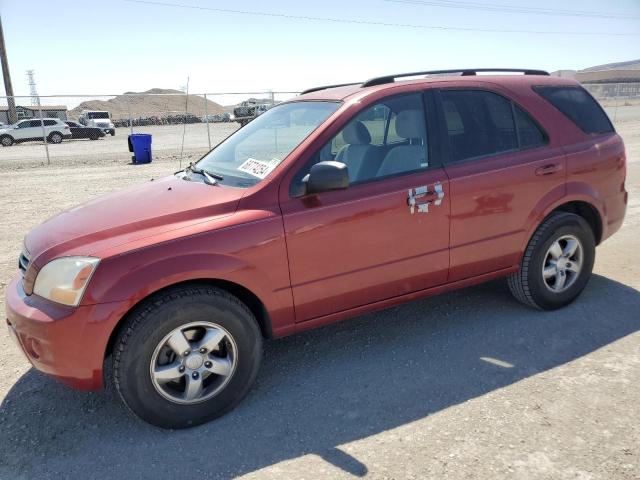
(8, 89)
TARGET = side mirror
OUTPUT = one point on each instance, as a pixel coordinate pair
(326, 176)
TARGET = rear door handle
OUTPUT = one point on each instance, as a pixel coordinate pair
(548, 169)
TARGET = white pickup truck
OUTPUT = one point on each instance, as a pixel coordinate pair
(99, 119)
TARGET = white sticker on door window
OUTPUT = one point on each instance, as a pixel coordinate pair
(258, 168)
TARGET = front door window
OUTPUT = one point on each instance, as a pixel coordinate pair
(385, 140)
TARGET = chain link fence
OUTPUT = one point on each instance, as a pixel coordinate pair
(620, 100)
(183, 127)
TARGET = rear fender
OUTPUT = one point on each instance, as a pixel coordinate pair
(575, 192)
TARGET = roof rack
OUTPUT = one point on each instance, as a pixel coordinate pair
(462, 71)
(316, 89)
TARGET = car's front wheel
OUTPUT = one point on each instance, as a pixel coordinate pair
(187, 356)
(6, 141)
(557, 263)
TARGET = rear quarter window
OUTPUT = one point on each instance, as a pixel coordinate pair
(579, 106)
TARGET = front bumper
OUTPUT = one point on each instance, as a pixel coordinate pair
(68, 343)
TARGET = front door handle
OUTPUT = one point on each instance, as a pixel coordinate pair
(431, 197)
(548, 169)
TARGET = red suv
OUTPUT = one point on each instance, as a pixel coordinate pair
(344, 200)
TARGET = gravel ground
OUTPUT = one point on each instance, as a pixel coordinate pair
(465, 385)
(166, 146)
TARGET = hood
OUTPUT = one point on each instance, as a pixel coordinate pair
(132, 214)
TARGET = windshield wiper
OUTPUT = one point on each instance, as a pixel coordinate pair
(209, 177)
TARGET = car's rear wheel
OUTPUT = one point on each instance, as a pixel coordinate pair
(6, 140)
(557, 263)
(55, 137)
(187, 356)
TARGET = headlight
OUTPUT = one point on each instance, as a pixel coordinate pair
(111, 125)
(64, 279)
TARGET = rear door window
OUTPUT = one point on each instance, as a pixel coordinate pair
(49, 123)
(529, 134)
(579, 106)
(478, 123)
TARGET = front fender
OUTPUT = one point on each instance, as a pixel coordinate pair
(114, 283)
(252, 256)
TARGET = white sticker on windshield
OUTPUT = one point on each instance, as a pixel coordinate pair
(258, 168)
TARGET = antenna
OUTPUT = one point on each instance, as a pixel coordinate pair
(32, 87)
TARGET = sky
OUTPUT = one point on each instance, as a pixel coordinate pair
(107, 47)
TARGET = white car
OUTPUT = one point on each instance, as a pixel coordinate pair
(31, 129)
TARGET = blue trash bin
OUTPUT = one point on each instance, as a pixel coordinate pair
(140, 145)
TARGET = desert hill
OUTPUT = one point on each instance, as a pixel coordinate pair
(157, 102)
(628, 71)
(628, 65)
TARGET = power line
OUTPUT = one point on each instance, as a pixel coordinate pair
(496, 7)
(367, 22)
(32, 87)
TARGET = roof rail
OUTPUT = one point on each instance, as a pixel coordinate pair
(462, 71)
(316, 89)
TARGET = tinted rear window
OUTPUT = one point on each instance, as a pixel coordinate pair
(479, 123)
(579, 106)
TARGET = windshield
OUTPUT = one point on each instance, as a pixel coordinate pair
(251, 153)
(93, 115)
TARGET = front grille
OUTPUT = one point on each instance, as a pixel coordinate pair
(23, 261)
(241, 112)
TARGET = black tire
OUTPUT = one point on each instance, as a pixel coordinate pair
(93, 137)
(6, 140)
(113, 132)
(55, 137)
(145, 329)
(528, 285)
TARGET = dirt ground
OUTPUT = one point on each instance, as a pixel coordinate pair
(465, 385)
(166, 146)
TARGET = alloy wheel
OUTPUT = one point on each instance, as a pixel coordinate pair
(562, 263)
(193, 363)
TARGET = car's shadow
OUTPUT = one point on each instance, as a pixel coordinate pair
(320, 389)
